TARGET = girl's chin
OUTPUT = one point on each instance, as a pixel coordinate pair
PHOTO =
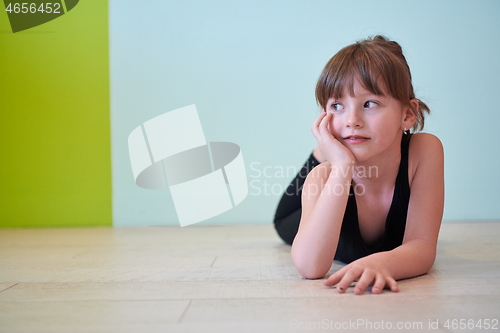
(360, 158)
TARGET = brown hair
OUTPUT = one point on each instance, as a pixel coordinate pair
(368, 60)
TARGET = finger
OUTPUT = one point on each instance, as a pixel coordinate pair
(321, 115)
(364, 281)
(349, 277)
(316, 134)
(318, 119)
(379, 284)
(332, 279)
(314, 127)
(324, 123)
(335, 277)
(329, 123)
(393, 285)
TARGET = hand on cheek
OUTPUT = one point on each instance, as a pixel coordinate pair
(332, 149)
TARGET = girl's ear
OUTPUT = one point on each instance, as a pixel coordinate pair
(410, 114)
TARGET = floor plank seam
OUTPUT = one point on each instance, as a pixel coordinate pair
(9, 287)
(213, 262)
(184, 312)
(268, 300)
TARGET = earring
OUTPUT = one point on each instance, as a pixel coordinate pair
(404, 130)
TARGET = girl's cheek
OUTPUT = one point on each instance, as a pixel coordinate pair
(333, 128)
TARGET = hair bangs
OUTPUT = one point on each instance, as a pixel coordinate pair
(349, 65)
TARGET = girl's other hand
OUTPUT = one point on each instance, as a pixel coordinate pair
(367, 271)
(332, 150)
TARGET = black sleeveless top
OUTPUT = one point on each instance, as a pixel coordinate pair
(351, 245)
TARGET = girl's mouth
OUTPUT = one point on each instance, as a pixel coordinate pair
(355, 139)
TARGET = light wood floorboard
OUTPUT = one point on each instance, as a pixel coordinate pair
(226, 279)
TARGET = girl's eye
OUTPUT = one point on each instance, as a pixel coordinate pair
(337, 107)
(370, 104)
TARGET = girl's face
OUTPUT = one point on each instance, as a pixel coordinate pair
(369, 125)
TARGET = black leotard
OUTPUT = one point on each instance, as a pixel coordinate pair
(351, 245)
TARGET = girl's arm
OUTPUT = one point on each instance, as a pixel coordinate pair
(324, 198)
(289, 210)
(417, 253)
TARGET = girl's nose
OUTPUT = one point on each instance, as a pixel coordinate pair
(354, 120)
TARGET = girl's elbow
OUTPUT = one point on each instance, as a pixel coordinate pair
(308, 265)
(311, 273)
(308, 270)
(430, 262)
(427, 261)
(423, 256)
(313, 276)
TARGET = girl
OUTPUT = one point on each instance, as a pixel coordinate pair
(376, 201)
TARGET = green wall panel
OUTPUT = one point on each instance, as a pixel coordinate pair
(55, 159)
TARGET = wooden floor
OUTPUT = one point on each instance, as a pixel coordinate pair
(229, 279)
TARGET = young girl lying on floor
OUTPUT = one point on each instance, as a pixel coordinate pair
(376, 201)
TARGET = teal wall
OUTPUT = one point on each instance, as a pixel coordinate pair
(55, 160)
(251, 69)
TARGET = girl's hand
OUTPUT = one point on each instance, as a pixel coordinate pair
(368, 271)
(332, 150)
